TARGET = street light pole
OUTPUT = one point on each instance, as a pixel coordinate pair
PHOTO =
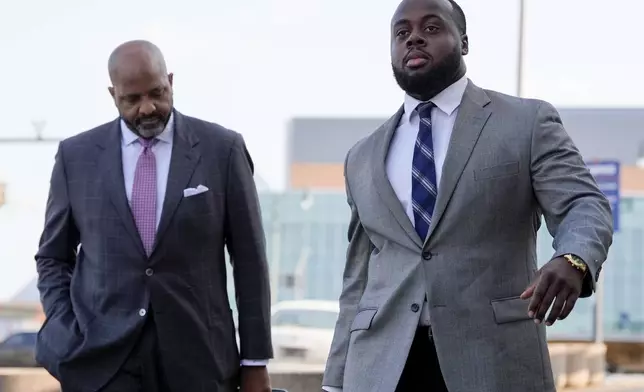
(39, 127)
(599, 311)
(301, 269)
(519, 82)
(29, 140)
(276, 248)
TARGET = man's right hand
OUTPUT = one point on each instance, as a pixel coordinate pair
(255, 379)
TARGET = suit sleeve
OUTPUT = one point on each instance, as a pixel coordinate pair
(56, 256)
(354, 283)
(247, 248)
(577, 213)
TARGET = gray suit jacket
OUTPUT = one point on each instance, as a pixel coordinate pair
(94, 296)
(509, 161)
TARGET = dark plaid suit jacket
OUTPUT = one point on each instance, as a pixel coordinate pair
(96, 295)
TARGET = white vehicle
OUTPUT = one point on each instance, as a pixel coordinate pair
(302, 330)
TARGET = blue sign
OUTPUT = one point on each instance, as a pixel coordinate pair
(606, 174)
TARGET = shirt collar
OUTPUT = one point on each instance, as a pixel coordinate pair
(447, 100)
(130, 137)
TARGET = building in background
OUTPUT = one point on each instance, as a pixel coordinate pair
(306, 234)
(316, 151)
(317, 146)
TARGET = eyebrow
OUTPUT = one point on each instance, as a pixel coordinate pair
(425, 18)
(130, 95)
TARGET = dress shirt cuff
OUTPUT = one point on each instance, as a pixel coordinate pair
(331, 389)
(254, 362)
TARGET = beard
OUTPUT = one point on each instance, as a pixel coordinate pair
(150, 126)
(431, 81)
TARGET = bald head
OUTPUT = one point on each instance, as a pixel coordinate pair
(141, 87)
(134, 56)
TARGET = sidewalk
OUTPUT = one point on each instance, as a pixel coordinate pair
(616, 383)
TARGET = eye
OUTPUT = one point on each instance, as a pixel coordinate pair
(402, 33)
(131, 99)
(157, 93)
(431, 29)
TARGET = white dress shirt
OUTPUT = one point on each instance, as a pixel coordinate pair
(401, 150)
(131, 148)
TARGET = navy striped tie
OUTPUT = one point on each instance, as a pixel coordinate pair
(423, 179)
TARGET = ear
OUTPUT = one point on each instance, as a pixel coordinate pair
(111, 90)
(170, 78)
(465, 45)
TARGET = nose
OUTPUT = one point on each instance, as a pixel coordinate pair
(415, 39)
(147, 108)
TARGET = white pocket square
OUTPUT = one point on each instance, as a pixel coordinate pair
(194, 191)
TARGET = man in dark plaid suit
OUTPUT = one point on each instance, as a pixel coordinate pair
(131, 266)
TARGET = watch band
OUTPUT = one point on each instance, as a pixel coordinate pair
(576, 262)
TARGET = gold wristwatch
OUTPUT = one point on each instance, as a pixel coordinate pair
(576, 262)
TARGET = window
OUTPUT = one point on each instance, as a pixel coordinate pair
(21, 340)
(322, 319)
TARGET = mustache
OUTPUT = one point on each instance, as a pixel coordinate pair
(152, 118)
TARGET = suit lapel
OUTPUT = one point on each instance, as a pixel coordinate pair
(473, 113)
(185, 157)
(381, 181)
(111, 165)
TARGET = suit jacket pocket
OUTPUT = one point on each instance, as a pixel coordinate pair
(509, 310)
(502, 170)
(197, 205)
(60, 336)
(363, 319)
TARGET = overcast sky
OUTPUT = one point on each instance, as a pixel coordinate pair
(251, 65)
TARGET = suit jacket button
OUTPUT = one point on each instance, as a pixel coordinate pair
(149, 272)
(427, 255)
(415, 308)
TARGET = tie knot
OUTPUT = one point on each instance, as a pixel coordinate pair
(424, 109)
(147, 143)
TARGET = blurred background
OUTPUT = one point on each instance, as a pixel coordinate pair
(303, 80)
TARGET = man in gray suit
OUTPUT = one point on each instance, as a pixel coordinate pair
(131, 266)
(441, 288)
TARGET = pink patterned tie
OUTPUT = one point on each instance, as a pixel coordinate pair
(144, 195)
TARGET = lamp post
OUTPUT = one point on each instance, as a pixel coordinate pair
(599, 311)
(38, 127)
(640, 156)
(276, 247)
(301, 279)
(519, 81)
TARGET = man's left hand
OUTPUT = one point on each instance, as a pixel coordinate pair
(255, 379)
(558, 280)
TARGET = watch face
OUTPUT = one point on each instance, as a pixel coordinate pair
(576, 262)
(579, 264)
